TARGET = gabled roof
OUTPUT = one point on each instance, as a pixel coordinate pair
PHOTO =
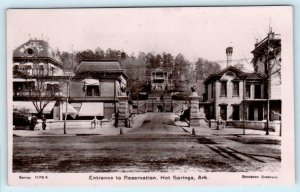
(35, 49)
(239, 75)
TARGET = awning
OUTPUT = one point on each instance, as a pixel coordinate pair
(91, 82)
(23, 80)
(52, 82)
(28, 64)
(17, 105)
(91, 109)
(71, 111)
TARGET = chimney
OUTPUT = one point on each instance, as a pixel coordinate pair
(229, 51)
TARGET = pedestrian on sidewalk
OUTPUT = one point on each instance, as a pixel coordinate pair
(44, 122)
(33, 122)
(94, 122)
(116, 124)
(221, 123)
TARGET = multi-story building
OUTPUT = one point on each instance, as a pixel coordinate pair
(234, 95)
(41, 86)
(237, 96)
(267, 60)
(161, 79)
(37, 73)
(95, 88)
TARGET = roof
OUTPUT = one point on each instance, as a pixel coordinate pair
(254, 76)
(272, 37)
(239, 74)
(158, 69)
(99, 66)
(36, 49)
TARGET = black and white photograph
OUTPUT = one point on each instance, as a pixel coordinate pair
(158, 96)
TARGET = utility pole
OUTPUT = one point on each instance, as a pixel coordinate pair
(68, 81)
(268, 76)
(66, 112)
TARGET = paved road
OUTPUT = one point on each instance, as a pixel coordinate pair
(158, 123)
(155, 145)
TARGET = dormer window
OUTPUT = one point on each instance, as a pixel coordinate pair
(29, 52)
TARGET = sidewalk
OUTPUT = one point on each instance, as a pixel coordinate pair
(227, 131)
(111, 130)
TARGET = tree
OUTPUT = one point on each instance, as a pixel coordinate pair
(180, 66)
(239, 66)
(42, 94)
(204, 68)
(168, 60)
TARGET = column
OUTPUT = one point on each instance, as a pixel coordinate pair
(123, 110)
(197, 116)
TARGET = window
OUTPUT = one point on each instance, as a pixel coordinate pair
(29, 85)
(223, 89)
(52, 71)
(236, 112)
(92, 90)
(257, 92)
(212, 90)
(30, 51)
(41, 69)
(248, 91)
(223, 112)
(53, 87)
(235, 89)
(16, 67)
(28, 69)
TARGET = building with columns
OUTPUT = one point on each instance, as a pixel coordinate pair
(237, 96)
(234, 95)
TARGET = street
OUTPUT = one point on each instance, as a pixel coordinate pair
(158, 123)
(156, 145)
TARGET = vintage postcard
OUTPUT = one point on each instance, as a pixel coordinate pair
(150, 96)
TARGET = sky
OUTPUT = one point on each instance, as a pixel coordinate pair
(194, 32)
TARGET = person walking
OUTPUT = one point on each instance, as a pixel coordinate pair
(44, 122)
(117, 118)
(33, 122)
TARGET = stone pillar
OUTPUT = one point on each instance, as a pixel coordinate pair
(197, 116)
(123, 110)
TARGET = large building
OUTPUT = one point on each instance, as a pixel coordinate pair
(234, 95)
(37, 73)
(161, 79)
(41, 85)
(239, 97)
(95, 88)
(267, 60)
